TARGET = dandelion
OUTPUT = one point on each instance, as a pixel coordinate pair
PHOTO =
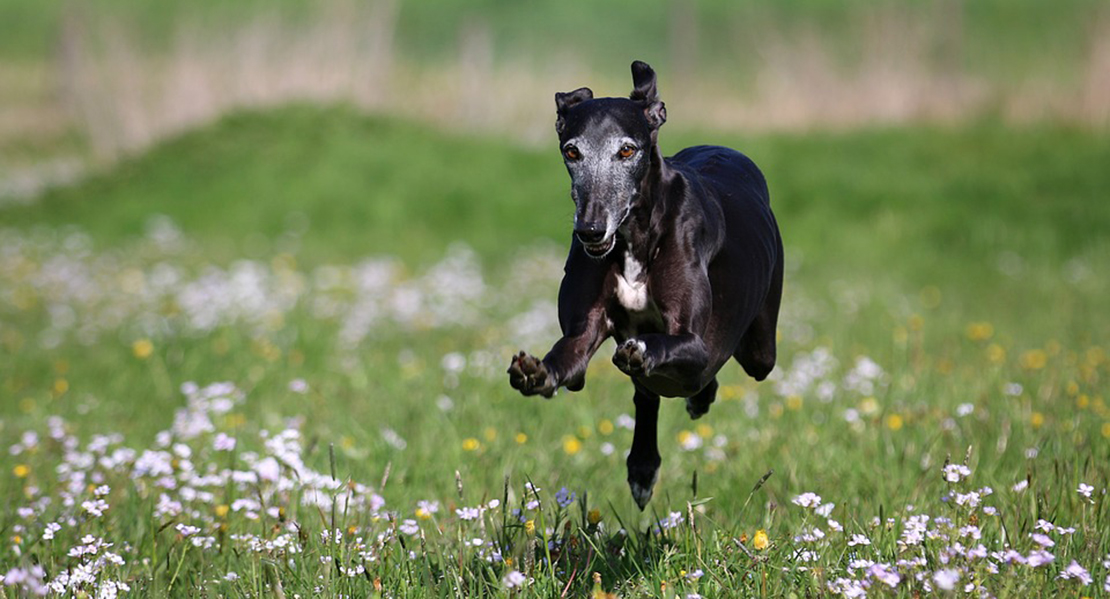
(21, 470)
(571, 445)
(521, 438)
(593, 517)
(142, 348)
(894, 422)
(605, 427)
(760, 540)
(470, 444)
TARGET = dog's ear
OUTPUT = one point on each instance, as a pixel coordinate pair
(565, 101)
(645, 92)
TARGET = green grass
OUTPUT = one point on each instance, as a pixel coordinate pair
(964, 262)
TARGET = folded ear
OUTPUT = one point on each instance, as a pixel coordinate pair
(645, 92)
(565, 101)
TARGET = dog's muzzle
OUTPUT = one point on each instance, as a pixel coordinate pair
(594, 239)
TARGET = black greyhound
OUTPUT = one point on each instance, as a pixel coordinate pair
(679, 259)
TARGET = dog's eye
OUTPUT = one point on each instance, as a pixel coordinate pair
(571, 153)
(627, 150)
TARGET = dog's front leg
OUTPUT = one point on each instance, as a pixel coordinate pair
(643, 460)
(563, 366)
(681, 354)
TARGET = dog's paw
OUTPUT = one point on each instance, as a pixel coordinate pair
(641, 481)
(528, 375)
(632, 358)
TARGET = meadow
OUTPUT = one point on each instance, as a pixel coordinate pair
(267, 358)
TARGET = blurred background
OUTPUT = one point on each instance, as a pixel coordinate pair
(83, 81)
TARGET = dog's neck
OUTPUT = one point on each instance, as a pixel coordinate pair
(644, 228)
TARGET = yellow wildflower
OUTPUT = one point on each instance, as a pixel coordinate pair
(530, 527)
(605, 427)
(221, 510)
(521, 438)
(470, 444)
(760, 540)
(21, 470)
(142, 348)
(594, 516)
(1037, 419)
(571, 445)
(894, 422)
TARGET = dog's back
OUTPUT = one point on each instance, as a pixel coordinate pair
(749, 262)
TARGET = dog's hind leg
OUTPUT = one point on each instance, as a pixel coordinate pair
(756, 352)
(698, 405)
(643, 460)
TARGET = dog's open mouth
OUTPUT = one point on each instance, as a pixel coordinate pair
(598, 250)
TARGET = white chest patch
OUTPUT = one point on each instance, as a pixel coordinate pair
(632, 285)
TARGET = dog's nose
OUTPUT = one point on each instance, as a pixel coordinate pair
(590, 232)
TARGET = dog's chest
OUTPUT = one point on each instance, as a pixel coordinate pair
(632, 288)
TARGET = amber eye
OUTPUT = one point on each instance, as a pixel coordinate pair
(572, 153)
(627, 150)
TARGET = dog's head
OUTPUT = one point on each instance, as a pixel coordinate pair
(607, 144)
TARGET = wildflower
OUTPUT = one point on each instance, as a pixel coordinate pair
(1043, 540)
(695, 575)
(834, 525)
(298, 386)
(21, 470)
(513, 580)
(1074, 570)
(186, 530)
(964, 409)
(1039, 558)
(571, 445)
(530, 527)
(50, 530)
(223, 442)
(564, 497)
(409, 527)
(470, 444)
(807, 500)
(760, 540)
(605, 427)
(521, 438)
(1085, 490)
(954, 473)
(884, 574)
(142, 348)
(594, 516)
(894, 422)
(1020, 486)
(468, 513)
(946, 579)
(858, 540)
(825, 510)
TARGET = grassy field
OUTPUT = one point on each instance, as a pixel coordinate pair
(267, 358)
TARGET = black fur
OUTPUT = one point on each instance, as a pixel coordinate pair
(699, 229)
